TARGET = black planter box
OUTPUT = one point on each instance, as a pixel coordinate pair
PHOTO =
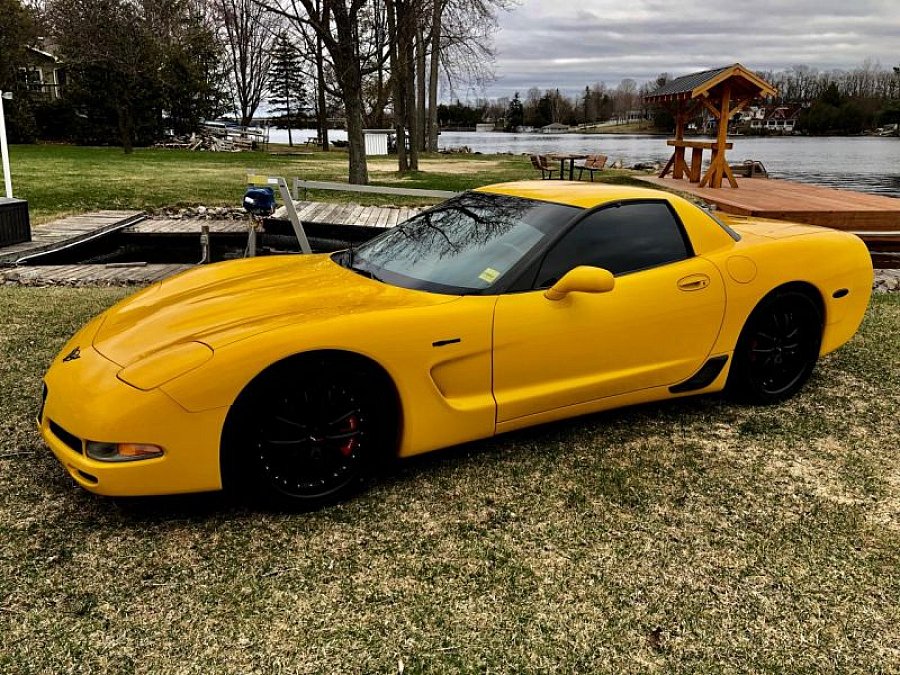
(15, 226)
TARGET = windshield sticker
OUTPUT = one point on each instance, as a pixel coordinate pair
(489, 275)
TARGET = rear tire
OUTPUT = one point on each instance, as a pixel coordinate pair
(307, 433)
(778, 348)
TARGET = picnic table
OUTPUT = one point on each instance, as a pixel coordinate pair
(679, 166)
(562, 158)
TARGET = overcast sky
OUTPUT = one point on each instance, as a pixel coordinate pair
(573, 43)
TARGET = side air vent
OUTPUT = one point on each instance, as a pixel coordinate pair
(703, 377)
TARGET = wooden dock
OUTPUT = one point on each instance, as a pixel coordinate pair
(72, 230)
(88, 275)
(68, 231)
(77, 229)
(874, 218)
(187, 226)
(326, 213)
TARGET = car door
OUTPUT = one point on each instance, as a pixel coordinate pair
(655, 328)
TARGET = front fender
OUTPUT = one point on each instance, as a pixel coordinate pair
(439, 358)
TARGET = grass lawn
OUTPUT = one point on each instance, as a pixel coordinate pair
(61, 179)
(693, 536)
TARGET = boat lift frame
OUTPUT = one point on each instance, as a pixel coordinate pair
(285, 192)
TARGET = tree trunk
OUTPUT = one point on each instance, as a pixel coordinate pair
(434, 75)
(420, 84)
(358, 173)
(347, 65)
(126, 128)
(321, 113)
(398, 77)
(408, 56)
(380, 89)
(290, 123)
(411, 114)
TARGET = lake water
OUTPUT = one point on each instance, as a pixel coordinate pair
(864, 163)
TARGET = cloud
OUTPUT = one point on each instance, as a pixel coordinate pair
(552, 43)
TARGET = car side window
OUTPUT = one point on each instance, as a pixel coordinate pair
(621, 239)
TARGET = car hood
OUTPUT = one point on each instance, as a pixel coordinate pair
(222, 303)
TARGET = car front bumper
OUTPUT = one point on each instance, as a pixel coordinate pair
(85, 401)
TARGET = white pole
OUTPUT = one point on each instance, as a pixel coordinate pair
(4, 150)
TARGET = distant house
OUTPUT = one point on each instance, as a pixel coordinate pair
(637, 115)
(754, 115)
(44, 75)
(779, 120)
(750, 117)
(555, 128)
(485, 126)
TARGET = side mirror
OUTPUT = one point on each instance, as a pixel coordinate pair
(582, 279)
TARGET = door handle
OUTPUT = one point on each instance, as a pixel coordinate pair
(693, 282)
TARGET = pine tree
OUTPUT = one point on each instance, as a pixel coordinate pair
(515, 114)
(287, 96)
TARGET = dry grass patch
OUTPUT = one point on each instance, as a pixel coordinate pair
(695, 536)
(466, 166)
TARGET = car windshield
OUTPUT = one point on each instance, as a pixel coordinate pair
(468, 244)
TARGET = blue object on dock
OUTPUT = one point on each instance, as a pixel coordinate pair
(259, 201)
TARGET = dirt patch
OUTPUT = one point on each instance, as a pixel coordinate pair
(437, 166)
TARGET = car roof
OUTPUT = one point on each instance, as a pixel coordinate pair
(571, 193)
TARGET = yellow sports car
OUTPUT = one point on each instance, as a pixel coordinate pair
(511, 305)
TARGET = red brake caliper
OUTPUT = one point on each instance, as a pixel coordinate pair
(352, 425)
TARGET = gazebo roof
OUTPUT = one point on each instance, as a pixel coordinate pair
(699, 84)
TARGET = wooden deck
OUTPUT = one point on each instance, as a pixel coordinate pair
(88, 275)
(350, 214)
(872, 217)
(68, 231)
(188, 226)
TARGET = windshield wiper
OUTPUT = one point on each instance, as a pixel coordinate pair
(348, 263)
(366, 273)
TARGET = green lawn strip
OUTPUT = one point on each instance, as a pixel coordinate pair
(697, 536)
(61, 179)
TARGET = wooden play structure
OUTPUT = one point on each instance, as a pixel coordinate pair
(721, 91)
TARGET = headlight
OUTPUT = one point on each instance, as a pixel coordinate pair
(166, 364)
(121, 452)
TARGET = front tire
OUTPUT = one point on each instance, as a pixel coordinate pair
(778, 348)
(306, 433)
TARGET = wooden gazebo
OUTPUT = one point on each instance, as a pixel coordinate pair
(723, 92)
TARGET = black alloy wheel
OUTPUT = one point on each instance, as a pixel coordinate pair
(778, 348)
(310, 442)
(307, 434)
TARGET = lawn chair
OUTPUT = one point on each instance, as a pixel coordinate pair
(592, 163)
(540, 163)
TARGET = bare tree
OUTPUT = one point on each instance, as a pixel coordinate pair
(467, 48)
(339, 26)
(437, 10)
(248, 35)
(402, 20)
(625, 98)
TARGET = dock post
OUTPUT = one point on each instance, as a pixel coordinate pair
(4, 148)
